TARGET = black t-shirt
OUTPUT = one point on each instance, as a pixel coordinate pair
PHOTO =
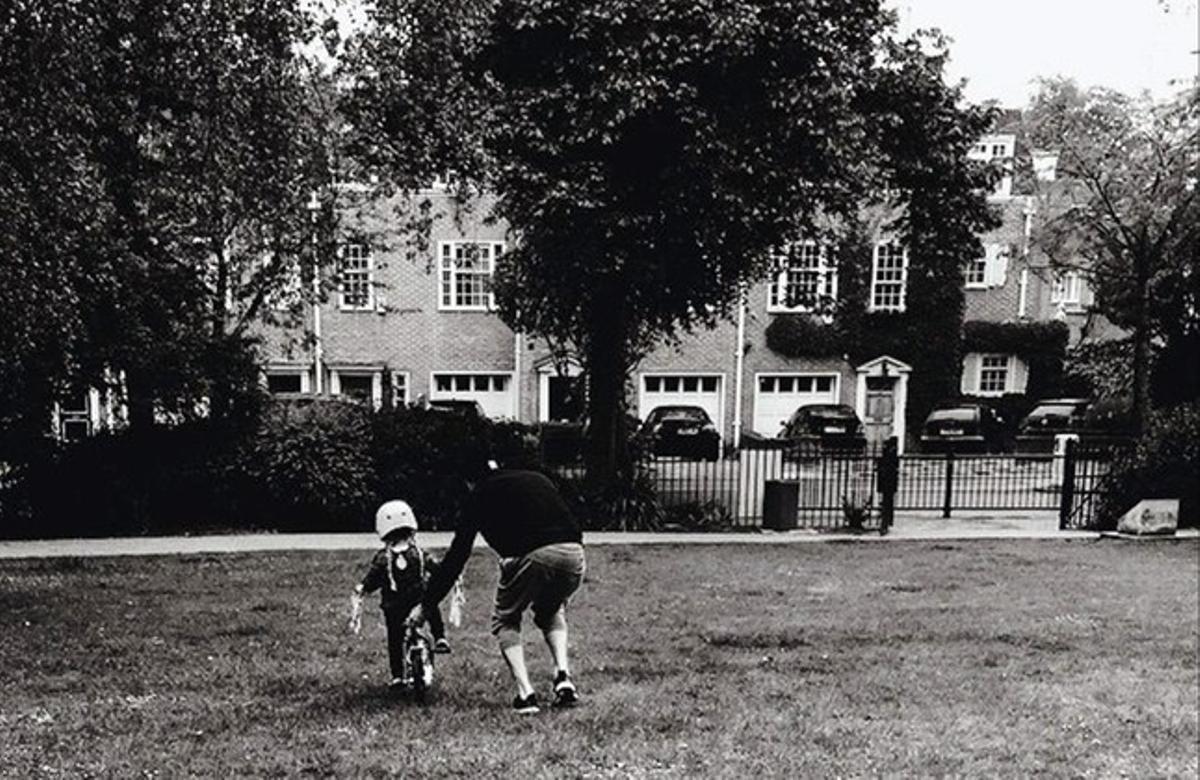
(516, 512)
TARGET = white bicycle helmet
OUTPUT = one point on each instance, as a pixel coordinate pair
(393, 515)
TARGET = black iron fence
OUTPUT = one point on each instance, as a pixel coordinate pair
(785, 485)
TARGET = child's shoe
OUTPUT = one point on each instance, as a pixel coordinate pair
(526, 705)
(565, 694)
(441, 646)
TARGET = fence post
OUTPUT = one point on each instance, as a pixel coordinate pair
(946, 497)
(1067, 492)
(887, 482)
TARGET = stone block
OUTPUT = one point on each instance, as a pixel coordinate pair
(1151, 516)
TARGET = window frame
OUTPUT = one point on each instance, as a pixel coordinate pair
(448, 275)
(901, 303)
(368, 271)
(1061, 286)
(336, 374)
(788, 275)
(1006, 376)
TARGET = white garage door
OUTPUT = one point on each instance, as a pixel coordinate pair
(703, 390)
(776, 396)
(494, 392)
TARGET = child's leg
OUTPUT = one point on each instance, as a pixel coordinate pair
(394, 620)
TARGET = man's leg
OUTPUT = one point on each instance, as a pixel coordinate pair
(514, 655)
(555, 634)
(518, 583)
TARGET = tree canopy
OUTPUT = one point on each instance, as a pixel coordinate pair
(158, 161)
(648, 155)
(1124, 212)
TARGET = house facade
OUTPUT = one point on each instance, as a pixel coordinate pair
(408, 326)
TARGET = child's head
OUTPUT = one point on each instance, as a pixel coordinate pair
(395, 522)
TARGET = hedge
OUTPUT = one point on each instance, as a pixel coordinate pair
(1165, 464)
(311, 464)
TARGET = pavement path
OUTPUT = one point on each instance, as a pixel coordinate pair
(909, 527)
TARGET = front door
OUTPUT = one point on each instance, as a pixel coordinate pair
(566, 398)
(880, 412)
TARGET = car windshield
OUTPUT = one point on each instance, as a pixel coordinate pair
(961, 414)
(839, 412)
(679, 414)
(1052, 410)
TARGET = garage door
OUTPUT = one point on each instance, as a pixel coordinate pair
(682, 390)
(776, 396)
(494, 392)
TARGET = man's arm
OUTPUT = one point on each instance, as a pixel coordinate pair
(452, 565)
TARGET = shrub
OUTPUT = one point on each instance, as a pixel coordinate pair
(427, 457)
(705, 516)
(1165, 464)
(164, 480)
(308, 467)
(632, 507)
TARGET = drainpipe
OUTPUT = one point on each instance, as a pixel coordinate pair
(738, 356)
(1022, 302)
(517, 375)
(314, 206)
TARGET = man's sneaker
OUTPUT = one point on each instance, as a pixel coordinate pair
(565, 694)
(441, 646)
(526, 705)
(397, 684)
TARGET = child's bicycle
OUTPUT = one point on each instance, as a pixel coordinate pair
(418, 661)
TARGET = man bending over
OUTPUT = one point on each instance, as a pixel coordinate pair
(524, 519)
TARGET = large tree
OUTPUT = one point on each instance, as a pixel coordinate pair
(648, 154)
(1124, 212)
(188, 134)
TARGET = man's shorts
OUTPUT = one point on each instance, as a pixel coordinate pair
(543, 579)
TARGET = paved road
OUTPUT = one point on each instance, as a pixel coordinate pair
(930, 526)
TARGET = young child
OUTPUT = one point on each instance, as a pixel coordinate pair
(399, 571)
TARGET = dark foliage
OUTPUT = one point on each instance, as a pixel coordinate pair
(1165, 464)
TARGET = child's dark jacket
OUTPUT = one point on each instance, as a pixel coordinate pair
(410, 570)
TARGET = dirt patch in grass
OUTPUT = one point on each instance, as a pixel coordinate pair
(981, 658)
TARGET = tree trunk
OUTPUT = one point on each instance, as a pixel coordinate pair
(1141, 345)
(219, 380)
(606, 453)
(139, 397)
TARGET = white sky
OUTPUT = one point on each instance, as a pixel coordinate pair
(1000, 46)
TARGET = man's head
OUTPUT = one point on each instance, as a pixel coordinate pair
(394, 521)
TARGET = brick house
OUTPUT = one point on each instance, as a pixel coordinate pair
(405, 328)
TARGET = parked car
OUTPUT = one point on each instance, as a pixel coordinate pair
(963, 427)
(1049, 418)
(825, 426)
(1108, 420)
(457, 406)
(686, 431)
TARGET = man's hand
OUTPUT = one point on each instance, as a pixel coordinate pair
(417, 615)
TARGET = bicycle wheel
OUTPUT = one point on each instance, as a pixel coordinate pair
(420, 664)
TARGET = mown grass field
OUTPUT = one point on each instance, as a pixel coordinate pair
(906, 659)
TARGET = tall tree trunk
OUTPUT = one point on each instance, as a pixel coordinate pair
(139, 396)
(218, 369)
(606, 453)
(1141, 345)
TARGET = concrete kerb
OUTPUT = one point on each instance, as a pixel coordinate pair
(238, 543)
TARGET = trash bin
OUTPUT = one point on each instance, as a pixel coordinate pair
(781, 502)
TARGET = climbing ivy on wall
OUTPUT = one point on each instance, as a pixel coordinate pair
(1042, 345)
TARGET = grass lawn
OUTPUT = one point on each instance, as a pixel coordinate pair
(979, 658)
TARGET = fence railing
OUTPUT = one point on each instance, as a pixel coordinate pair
(865, 487)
